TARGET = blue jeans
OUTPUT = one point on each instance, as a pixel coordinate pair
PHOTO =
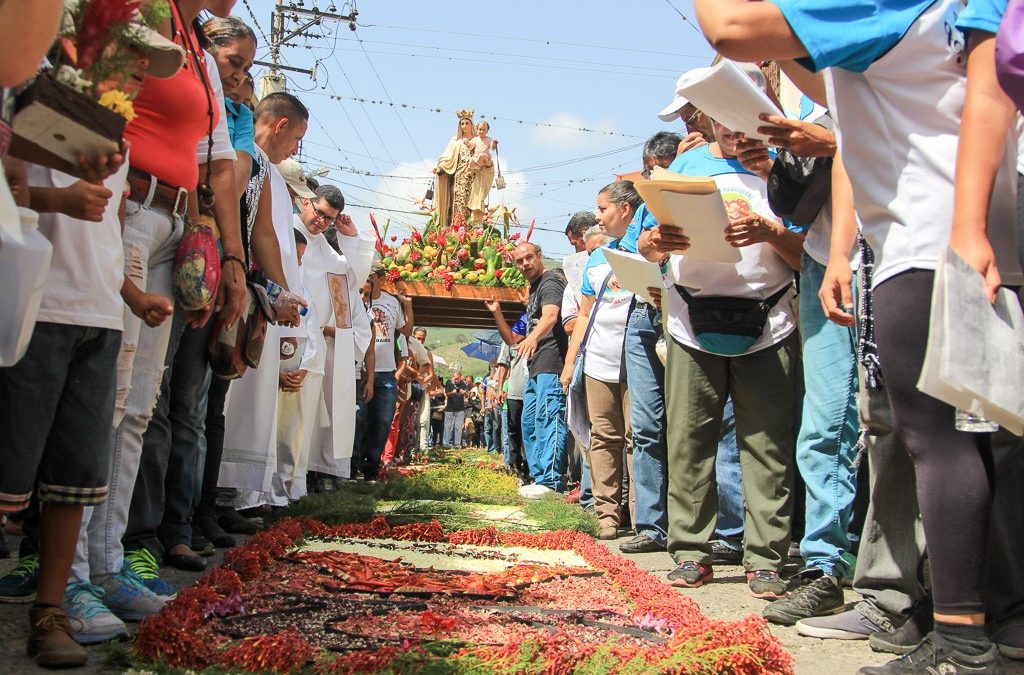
(172, 462)
(373, 424)
(492, 430)
(731, 515)
(586, 486)
(545, 431)
(826, 446)
(645, 375)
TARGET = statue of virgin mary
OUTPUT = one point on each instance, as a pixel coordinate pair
(455, 173)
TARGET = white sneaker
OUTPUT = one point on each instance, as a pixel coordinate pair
(90, 620)
(128, 598)
(534, 491)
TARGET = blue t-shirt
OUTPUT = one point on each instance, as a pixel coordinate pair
(984, 15)
(700, 162)
(629, 240)
(241, 127)
(849, 34)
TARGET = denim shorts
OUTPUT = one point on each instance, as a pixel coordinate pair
(56, 417)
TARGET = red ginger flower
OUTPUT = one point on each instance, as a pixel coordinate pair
(98, 20)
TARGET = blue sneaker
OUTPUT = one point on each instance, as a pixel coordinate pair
(20, 583)
(127, 597)
(91, 621)
(145, 567)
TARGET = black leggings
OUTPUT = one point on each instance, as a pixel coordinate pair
(953, 468)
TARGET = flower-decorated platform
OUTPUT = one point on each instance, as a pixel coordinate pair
(372, 598)
(457, 306)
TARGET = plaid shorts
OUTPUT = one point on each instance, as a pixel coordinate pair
(56, 417)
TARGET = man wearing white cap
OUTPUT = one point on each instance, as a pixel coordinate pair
(732, 334)
(697, 123)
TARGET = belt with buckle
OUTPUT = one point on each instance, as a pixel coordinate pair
(171, 200)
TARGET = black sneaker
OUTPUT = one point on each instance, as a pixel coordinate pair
(641, 543)
(691, 574)
(936, 655)
(208, 525)
(811, 593)
(766, 584)
(907, 637)
(723, 553)
(201, 544)
(232, 521)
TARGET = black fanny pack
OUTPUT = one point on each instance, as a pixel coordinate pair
(729, 326)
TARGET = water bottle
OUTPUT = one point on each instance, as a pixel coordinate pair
(23, 269)
(975, 424)
(278, 295)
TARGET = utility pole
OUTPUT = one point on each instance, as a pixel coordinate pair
(282, 32)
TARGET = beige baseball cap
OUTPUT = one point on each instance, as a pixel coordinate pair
(295, 176)
(165, 57)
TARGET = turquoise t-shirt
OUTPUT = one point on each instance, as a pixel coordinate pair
(241, 127)
(984, 15)
(849, 34)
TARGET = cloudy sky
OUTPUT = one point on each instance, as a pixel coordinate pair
(571, 89)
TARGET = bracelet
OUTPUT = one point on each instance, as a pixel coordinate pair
(235, 258)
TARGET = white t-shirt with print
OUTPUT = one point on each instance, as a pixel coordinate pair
(760, 273)
(83, 286)
(912, 98)
(387, 316)
(608, 332)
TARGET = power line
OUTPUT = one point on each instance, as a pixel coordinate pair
(256, 22)
(367, 114)
(546, 59)
(437, 109)
(385, 90)
(543, 41)
(546, 67)
(684, 17)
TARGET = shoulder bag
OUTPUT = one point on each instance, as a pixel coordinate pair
(576, 383)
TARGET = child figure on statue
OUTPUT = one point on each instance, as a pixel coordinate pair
(481, 145)
(483, 170)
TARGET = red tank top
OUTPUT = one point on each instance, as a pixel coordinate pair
(171, 117)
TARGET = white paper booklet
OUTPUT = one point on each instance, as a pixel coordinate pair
(695, 205)
(727, 95)
(634, 272)
(975, 355)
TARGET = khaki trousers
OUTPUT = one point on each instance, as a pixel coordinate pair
(610, 446)
(764, 386)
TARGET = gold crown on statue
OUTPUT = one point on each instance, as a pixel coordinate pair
(465, 114)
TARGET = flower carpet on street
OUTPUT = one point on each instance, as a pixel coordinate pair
(288, 602)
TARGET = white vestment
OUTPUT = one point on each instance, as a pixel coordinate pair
(250, 412)
(331, 446)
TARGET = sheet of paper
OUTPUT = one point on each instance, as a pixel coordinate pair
(975, 355)
(727, 95)
(634, 272)
(702, 217)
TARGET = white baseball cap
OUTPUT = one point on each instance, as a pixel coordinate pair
(293, 174)
(671, 111)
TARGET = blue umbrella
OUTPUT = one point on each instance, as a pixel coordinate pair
(481, 350)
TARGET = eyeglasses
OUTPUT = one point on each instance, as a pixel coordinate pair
(324, 218)
(689, 120)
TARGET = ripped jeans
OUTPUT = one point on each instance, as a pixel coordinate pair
(150, 241)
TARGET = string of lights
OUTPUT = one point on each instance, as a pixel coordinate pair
(497, 118)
